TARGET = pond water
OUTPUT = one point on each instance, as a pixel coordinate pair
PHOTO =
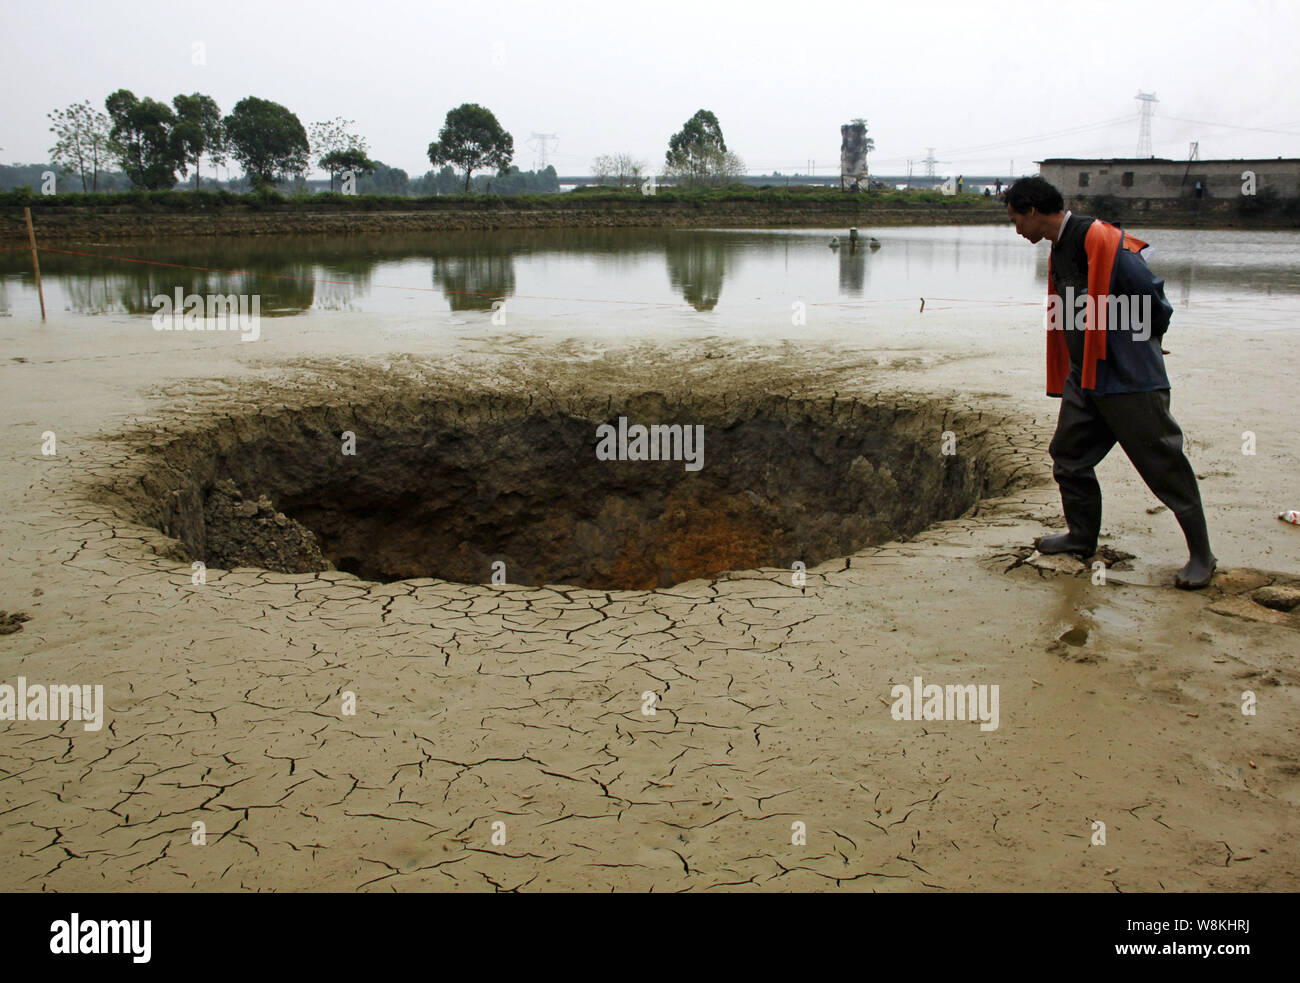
(748, 280)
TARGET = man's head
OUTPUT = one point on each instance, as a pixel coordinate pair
(1035, 206)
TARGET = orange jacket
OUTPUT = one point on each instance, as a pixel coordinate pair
(1102, 244)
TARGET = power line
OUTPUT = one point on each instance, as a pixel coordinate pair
(1233, 126)
(976, 148)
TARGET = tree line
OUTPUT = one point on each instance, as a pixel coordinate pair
(151, 142)
(697, 156)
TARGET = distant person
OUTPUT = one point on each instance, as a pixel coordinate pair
(986, 191)
(999, 191)
(1111, 380)
(1200, 190)
(959, 183)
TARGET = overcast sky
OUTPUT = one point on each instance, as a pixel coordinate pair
(982, 83)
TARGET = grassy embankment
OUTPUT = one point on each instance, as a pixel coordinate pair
(202, 213)
(155, 214)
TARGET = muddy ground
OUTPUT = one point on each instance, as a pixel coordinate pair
(499, 738)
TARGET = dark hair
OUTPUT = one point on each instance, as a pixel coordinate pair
(1034, 192)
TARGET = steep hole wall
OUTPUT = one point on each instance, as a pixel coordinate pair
(443, 489)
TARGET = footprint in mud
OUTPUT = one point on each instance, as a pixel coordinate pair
(1076, 636)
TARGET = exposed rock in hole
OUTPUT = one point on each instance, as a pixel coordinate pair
(242, 532)
(445, 489)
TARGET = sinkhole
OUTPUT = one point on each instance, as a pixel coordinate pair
(459, 489)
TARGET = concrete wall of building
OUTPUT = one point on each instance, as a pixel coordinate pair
(1170, 178)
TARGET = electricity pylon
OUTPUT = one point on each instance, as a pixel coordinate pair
(1144, 122)
(541, 139)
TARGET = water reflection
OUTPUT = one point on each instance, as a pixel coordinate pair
(99, 285)
(696, 266)
(853, 269)
(560, 271)
(475, 281)
(132, 291)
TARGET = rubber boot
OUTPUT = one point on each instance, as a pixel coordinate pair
(1083, 515)
(1201, 563)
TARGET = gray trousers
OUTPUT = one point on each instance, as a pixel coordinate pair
(1090, 425)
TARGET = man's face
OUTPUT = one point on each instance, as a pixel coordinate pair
(1027, 223)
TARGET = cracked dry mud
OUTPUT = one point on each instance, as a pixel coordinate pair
(479, 704)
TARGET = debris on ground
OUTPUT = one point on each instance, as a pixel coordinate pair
(1277, 597)
(10, 623)
(251, 533)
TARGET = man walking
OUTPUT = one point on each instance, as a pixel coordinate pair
(1107, 368)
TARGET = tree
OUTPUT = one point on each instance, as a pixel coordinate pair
(471, 138)
(443, 182)
(200, 131)
(513, 181)
(342, 161)
(145, 139)
(628, 168)
(697, 151)
(335, 150)
(267, 139)
(622, 167)
(384, 180)
(327, 136)
(82, 141)
(727, 167)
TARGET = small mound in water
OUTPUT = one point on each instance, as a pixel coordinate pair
(414, 486)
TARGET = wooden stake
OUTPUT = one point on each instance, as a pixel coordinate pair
(36, 263)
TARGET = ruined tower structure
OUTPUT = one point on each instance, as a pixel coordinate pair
(853, 155)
